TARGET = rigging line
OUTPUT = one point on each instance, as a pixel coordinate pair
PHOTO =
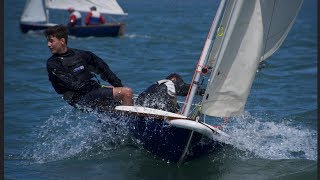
(225, 122)
(265, 43)
(196, 112)
(261, 63)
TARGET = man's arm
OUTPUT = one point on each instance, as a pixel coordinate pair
(184, 89)
(102, 19)
(87, 19)
(101, 68)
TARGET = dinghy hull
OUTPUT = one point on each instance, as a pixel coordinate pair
(105, 30)
(170, 136)
(174, 144)
(26, 27)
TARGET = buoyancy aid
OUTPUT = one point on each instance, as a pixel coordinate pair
(95, 18)
(171, 90)
(76, 70)
(161, 95)
(77, 17)
(77, 66)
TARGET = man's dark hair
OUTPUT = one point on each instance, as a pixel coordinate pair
(181, 87)
(58, 31)
(175, 76)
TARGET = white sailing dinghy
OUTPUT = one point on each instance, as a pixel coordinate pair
(245, 32)
(35, 16)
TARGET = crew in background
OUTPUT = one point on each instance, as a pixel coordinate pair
(94, 17)
(74, 17)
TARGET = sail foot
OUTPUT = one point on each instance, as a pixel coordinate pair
(224, 107)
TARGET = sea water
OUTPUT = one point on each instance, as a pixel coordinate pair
(44, 138)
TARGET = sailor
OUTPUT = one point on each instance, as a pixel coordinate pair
(163, 94)
(94, 17)
(74, 17)
(72, 71)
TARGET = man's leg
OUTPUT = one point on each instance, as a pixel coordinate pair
(101, 98)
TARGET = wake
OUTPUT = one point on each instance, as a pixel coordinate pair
(271, 140)
(70, 133)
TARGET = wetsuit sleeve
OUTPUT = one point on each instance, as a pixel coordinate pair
(183, 90)
(63, 81)
(100, 67)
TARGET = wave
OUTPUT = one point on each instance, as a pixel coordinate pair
(267, 139)
(70, 134)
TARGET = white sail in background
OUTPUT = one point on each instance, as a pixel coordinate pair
(103, 6)
(33, 12)
(249, 34)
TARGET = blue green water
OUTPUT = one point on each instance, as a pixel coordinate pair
(44, 138)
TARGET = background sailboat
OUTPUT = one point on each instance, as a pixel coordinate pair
(35, 16)
(246, 32)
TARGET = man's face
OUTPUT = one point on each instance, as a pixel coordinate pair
(56, 46)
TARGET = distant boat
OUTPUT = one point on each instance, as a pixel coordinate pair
(243, 33)
(35, 16)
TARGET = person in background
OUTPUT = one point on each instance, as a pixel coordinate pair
(71, 72)
(74, 17)
(163, 94)
(94, 17)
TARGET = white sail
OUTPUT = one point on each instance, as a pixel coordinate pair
(219, 36)
(249, 34)
(33, 12)
(202, 59)
(278, 18)
(103, 6)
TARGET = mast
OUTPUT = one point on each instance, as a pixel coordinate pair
(47, 15)
(44, 4)
(203, 56)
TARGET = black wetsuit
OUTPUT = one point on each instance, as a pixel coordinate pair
(71, 74)
(163, 95)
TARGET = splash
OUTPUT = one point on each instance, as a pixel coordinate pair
(73, 134)
(271, 140)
